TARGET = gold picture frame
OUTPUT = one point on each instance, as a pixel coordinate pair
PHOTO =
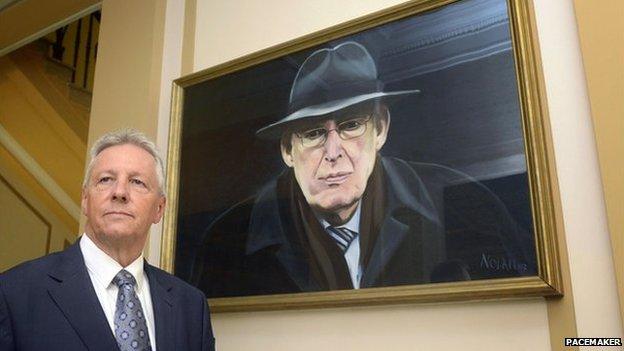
(540, 170)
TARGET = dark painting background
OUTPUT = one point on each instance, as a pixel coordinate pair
(467, 117)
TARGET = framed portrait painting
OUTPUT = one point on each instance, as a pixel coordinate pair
(402, 156)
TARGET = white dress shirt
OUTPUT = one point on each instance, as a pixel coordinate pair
(102, 269)
(352, 255)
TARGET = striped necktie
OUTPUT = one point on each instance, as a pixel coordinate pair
(342, 236)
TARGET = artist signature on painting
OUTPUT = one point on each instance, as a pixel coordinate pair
(497, 263)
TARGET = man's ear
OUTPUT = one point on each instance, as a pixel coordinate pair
(83, 201)
(381, 129)
(160, 209)
(286, 149)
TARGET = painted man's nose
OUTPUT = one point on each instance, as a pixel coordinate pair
(333, 147)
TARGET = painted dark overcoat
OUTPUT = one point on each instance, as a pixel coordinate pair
(252, 249)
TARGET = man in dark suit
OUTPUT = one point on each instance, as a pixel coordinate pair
(342, 216)
(100, 294)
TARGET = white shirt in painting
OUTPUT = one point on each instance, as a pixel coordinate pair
(352, 255)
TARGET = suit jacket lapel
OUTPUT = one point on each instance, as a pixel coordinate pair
(164, 318)
(71, 289)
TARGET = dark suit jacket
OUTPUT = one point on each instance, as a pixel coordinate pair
(50, 304)
(253, 249)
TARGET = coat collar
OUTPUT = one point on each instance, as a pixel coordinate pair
(265, 226)
(269, 223)
(408, 204)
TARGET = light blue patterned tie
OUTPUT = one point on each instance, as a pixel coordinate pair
(130, 326)
(342, 236)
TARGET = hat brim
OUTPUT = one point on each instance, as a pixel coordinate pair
(274, 130)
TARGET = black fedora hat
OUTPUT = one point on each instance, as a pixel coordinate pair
(329, 80)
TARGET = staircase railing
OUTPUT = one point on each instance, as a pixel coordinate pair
(71, 39)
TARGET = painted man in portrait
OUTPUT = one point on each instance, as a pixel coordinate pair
(342, 216)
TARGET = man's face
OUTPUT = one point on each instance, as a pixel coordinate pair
(334, 174)
(122, 198)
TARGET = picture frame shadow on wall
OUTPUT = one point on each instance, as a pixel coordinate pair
(404, 156)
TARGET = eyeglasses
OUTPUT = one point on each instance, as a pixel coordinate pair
(349, 129)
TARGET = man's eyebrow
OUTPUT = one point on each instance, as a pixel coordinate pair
(311, 125)
(353, 115)
(105, 171)
(113, 172)
(138, 174)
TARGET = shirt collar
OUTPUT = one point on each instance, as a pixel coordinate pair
(104, 268)
(353, 224)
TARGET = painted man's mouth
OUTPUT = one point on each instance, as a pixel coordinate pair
(336, 178)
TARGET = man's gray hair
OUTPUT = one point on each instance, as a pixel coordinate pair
(121, 137)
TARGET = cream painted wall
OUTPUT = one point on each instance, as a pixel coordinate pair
(496, 325)
(26, 231)
(41, 163)
(171, 69)
(28, 213)
(225, 30)
(601, 30)
(129, 53)
(30, 118)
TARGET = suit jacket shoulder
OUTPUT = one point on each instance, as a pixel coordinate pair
(49, 303)
(27, 278)
(20, 274)
(184, 289)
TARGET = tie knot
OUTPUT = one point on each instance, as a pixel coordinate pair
(124, 278)
(342, 236)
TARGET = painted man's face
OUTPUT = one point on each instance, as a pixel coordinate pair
(333, 159)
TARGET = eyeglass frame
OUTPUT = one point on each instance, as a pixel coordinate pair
(365, 121)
